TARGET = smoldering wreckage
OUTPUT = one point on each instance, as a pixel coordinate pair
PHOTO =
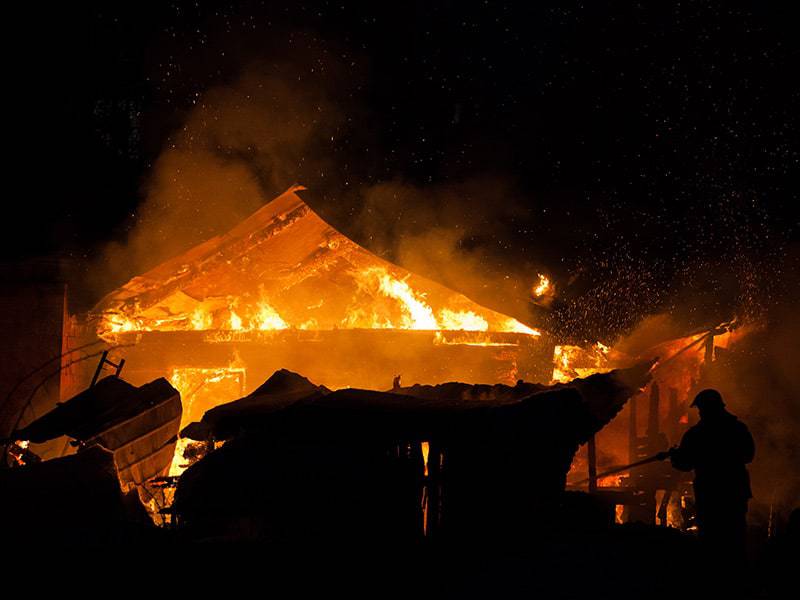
(151, 444)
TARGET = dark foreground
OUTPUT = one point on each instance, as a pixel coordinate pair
(621, 561)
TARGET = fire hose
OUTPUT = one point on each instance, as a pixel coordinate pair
(656, 457)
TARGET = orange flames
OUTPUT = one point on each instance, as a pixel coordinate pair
(544, 287)
(416, 312)
(383, 301)
(571, 362)
(200, 390)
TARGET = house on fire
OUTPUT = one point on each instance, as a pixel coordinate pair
(284, 289)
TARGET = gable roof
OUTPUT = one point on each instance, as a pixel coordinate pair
(282, 267)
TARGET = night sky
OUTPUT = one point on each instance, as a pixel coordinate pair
(644, 155)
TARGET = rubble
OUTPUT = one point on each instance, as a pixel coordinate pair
(74, 499)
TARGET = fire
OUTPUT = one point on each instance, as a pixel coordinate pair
(381, 301)
(200, 390)
(513, 326)
(178, 465)
(416, 313)
(236, 321)
(464, 320)
(268, 318)
(194, 384)
(612, 481)
(562, 356)
(117, 323)
(570, 362)
(468, 338)
(426, 449)
(201, 319)
(16, 450)
(543, 288)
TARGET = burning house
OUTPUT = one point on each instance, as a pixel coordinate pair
(464, 448)
(284, 289)
(471, 355)
(281, 290)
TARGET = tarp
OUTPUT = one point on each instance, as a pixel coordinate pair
(282, 390)
(138, 424)
(349, 463)
(291, 405)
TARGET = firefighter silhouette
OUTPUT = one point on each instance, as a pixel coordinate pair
(717, 448)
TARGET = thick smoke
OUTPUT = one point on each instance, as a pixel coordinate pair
(240, 146)
(451, 233)
(758, 377)
(246, 142)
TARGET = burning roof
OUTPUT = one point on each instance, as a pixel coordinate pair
(285, 267)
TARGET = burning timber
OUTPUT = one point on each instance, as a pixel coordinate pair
(282, 287)
(303, 464)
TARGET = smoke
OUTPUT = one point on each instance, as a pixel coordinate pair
(245, 142)
(303, 121)
(758, 378)
(760, 383)
(241, 145)
(455, 234)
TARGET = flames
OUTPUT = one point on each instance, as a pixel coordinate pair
(263, 318)
(544, 287)
(416, 313)
(570, 362)
(201, 389)
(381, 301)
(16, 450)
(179, 465)
(198, 386)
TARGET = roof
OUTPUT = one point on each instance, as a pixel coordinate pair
(283, 267)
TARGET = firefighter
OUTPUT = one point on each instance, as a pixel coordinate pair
(717, 448)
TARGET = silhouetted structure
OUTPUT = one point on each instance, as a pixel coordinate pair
(302, 464)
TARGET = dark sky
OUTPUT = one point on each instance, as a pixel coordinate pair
(651, 149)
